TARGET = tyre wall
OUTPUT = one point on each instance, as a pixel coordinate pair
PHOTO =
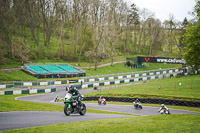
(148, 100)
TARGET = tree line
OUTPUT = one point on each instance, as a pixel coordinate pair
(89, 30)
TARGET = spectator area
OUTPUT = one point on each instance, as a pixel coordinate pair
(68, 68)
(53, 71)
(37, 69)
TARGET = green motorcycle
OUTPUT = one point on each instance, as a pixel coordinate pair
(72, 106)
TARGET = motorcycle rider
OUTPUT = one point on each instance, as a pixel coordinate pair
(136, 103)
(56, 99)
(76, 93)
(163, 107)
(101, 99)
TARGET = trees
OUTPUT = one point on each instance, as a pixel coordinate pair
(143, 32)
(60, 29)
(192, 48)
(192, 41)
(182, 29)
(133, 18)
(155, 36)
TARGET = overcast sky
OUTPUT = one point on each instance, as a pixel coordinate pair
(162, 8)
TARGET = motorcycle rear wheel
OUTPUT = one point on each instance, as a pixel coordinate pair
(83, 109)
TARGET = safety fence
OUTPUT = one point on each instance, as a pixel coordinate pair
(31, 91)
(148, 100)
(128, 76)
(116, 81)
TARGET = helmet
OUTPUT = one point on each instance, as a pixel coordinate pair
(71, 87)
(162, 105)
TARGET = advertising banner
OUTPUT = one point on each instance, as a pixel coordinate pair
(161, 60)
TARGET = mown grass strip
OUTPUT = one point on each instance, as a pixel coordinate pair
(108, 112)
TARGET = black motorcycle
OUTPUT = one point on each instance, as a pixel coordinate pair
(72, 105)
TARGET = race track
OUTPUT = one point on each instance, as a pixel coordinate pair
(22, 119)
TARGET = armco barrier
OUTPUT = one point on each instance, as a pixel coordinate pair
(13, 92)
(148, 100)
(124, 81)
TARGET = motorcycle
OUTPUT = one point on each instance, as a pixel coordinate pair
(72, 106)
(56, 99)
(137, 105)
(95, 88)
(102, 101)
(164, 111)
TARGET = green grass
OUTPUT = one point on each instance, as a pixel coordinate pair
(120, 68)
(170, 89)
(10, 64)
(154, 124)
(107, 112)
(15, 76)
(8, 103)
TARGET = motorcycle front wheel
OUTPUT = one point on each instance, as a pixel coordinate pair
(67, 110)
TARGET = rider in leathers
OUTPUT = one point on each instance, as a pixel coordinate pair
(163, 107)
(76, 93)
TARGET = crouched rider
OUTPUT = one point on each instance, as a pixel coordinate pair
(76, 93)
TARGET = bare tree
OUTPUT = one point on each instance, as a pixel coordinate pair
(84, 31)
(154, 30)
(112, 30)
(170, 24)
(143, 38)
(98, 25)
(49, 20)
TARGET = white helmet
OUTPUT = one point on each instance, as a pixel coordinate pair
(162, 105)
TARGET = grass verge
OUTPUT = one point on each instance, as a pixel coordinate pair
(8, 103)
(170, 89)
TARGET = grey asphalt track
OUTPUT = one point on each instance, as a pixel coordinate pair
(22, 119)
(131, 110)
